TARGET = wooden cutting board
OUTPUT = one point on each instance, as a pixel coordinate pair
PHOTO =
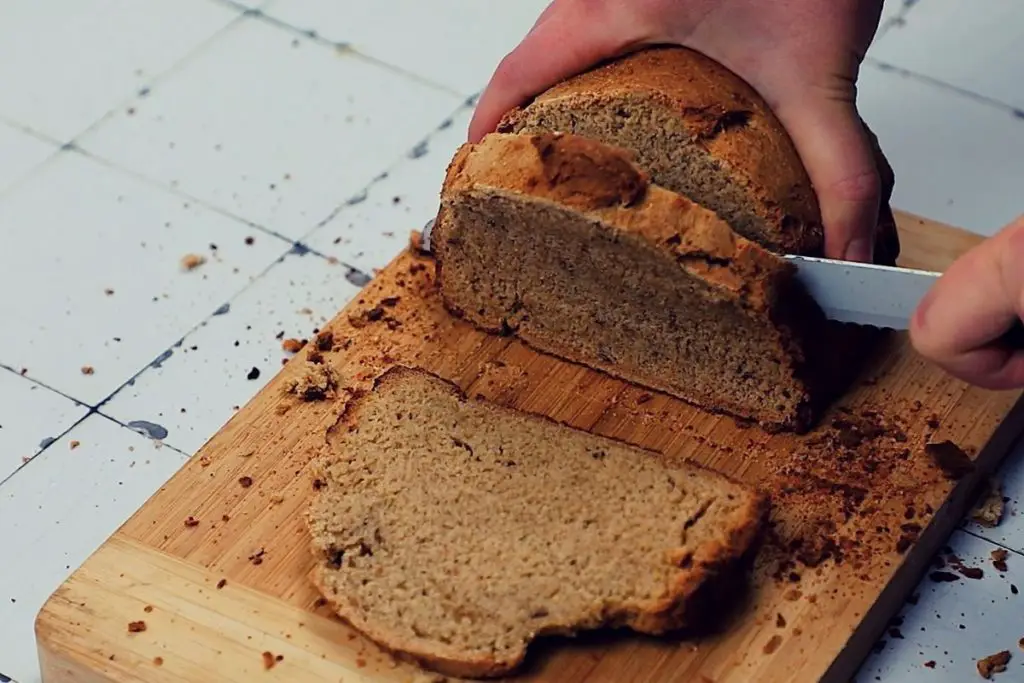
(213, 570)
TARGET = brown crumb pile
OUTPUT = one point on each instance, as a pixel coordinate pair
(136, 626)
(993, 664)
(192, 261)
(88, 370)
(833, 498)
(75, 444)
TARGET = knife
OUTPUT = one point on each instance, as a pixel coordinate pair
(860, 293)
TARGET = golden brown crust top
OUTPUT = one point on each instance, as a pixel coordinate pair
(700, 241)
(724, 114)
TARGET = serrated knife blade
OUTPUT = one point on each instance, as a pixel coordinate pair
(864, 293)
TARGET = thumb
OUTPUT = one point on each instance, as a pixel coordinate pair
(975, 301)
(836, 151)
(564, 41)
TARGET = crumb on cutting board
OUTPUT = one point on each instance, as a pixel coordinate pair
(136, 626)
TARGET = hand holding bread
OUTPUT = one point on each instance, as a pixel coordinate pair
(802, 57)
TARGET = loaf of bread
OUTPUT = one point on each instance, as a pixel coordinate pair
(564, 242)
(454, 532)
(702, 131)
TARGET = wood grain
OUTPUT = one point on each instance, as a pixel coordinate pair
(802, 619)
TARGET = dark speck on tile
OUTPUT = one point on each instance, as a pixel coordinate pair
(143, 92)
(45, 443)
(381, 176)
(150, 429)
(310, 33)
(356, 199)
(223, 309)
(159, 360)
(447, 123)
(253, 374)
(358, 277)
(419, 150)
(299, 249)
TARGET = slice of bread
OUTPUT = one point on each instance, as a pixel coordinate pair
(702, 131)
(454, 532)
(564, 242)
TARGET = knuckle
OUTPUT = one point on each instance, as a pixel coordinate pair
(859, 187)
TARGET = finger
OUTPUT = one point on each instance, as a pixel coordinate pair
(564, 43)
(836, 151)
(976, 300)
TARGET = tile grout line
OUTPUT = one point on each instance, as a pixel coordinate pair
(942, 85)
(348, 49)
(412, 153)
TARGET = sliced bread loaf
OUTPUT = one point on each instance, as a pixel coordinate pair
(564, 242)
(454, 532)
(702, 131)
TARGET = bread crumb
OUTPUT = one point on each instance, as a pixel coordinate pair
(268, 660)
(108, 291)
(773, 644)
(245, 481)
(88, 370)
(147, 609)
(360, 662)
(136, 626)
(988, 511)
(951, 459)
(993, 664)
(192, 261)
(191, 521)
(75, 444)
(222, 583)
(930, 664)
(317, 382)
(257, 557)
(999, 556)
(293, 345)
(277, 499)
(158, 661)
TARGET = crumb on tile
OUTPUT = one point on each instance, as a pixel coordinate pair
(88, 370)
(75, 444)
(993, 664)
(192, 261)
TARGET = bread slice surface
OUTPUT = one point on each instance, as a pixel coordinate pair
(564, 242)
(454, 532)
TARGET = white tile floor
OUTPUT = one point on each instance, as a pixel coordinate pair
(134, 133)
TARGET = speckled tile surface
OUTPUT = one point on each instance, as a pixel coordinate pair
(290, 146)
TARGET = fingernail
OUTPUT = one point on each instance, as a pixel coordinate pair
(859, 249)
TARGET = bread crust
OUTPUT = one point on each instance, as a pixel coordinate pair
(710, 561)
(710, 101)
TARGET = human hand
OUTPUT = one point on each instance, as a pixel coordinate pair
(959, 323)
(802, 56)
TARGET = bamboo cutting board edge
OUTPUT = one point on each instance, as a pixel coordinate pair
(95, 649)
